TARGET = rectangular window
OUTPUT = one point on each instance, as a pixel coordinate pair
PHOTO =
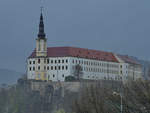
(33, 62)
(58, 61)
(47, 67)
(63, 76)
(55, 61)
(44, 60)
(38, 67)
(58, 67)
(47, 61)
(62, 61)
(66, 61)
(121, 72)
(39, 61)
(62, 67)
(73, 61)
(30, 62)
(66, 67)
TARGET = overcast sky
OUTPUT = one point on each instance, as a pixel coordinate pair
(120, 26)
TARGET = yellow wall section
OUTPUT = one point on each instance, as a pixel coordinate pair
(42, 76)
(37, 74)
(42, 54)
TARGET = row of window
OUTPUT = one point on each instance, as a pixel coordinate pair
(90, 63)
(73, 67)
(112, 78)
(50, 68)
(50, 75)
(57, 61)
(96, 63)
(107, 78)
(89, 77)
(98, 70)
(57, 67)
(50, 61)
(55, 76)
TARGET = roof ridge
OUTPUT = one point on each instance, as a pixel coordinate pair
(67, 51)
(80, 48)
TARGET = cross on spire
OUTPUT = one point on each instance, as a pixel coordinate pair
(42, 9)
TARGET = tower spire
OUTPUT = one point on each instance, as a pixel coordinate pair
(41, 33)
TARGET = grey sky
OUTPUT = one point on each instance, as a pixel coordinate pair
(121, 26)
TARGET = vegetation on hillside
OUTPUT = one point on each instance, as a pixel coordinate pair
(100, 99)
(93, 97)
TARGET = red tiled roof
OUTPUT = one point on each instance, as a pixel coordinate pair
(78, 52)
(128, 59)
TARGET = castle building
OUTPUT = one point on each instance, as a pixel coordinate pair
(56, 63)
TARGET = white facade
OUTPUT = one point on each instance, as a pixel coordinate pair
(129, 70)
(57, 68)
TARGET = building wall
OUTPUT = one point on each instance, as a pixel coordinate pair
(57, 68)
(95, 69)
(135, 72)
(129, 71)
(41, 47)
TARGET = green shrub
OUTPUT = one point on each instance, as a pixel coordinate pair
(70, 79)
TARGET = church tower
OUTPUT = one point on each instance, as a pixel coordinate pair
(41, 41)
(41, 52)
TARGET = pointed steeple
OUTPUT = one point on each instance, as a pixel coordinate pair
(41, 40)
(41, 33)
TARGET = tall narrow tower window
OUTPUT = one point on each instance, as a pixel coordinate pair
(39, 48)
(39, 61)
(38, 67)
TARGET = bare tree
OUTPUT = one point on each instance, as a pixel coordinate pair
(92, 99)
(78, 72)
(100, 99)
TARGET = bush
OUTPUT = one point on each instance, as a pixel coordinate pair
(60, 111)
(70, 79)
